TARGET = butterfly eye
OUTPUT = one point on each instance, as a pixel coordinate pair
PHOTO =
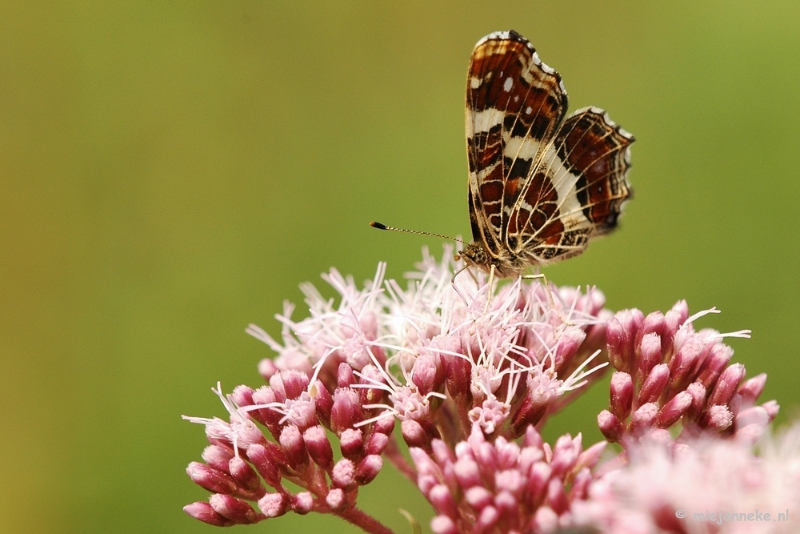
(512, 242)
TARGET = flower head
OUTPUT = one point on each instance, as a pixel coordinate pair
(435, 356)
(704, 485)
(472, 373)
(500, 486)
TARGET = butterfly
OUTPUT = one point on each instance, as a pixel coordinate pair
(540, 185)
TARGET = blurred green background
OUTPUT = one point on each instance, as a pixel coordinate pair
(171, 171)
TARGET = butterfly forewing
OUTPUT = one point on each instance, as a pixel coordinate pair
(514, 106)
(540, 186)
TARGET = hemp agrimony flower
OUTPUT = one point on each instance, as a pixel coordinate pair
(471, 377)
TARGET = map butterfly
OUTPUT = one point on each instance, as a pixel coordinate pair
(540, 184)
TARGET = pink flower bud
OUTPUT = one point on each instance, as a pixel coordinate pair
(302, 503)
(234, 509)
(610, 426)
(618, 339)
(718, 417)
(368, 469)
(457, 372)
(727, 384)
(319, 447)
(580, 486)
(565, 454)
(345, 377)
(675, 317)
(441, 524)
(653, 323)
(414, 435)
(590, 457)
(323, 400)
(291, 441)
(718, 357)
(532, 438)
(506, 503)
(266, 416)
(211, 479)
(487, 519)
(673, 410)
(621, 394)
(557, 497)
(244, 475)
(264, 464)
(654, 384)
(509, 486)
(346, 411)
(267, 368)
(568, 345)
(685, 362)
(755, 415)
(295, 383)
(336, 499)
(371, 375)
(478, 497)
(698, 394)
(751, 389)
(343, 475)
(772, 409)
(467, 473)
(643, 418)
(427, 374)
(242, 395)
(206, 513)
(276, 384)
(384, 425)
(273, 504)
(650, 353)
(352, 443)
(376, 443)
(538, 482)
(217, 456)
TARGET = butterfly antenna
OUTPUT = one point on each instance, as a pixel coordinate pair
(381, 226)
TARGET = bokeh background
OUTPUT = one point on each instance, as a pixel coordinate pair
(171, 171)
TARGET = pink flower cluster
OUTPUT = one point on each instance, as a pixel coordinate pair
(468, 373)
(499, 486)
(702, 486)
(667, 372)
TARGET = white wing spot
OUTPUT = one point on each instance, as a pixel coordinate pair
(509, 84)
(474, 82)
(516, 98)
(528, 110)
(483, 121)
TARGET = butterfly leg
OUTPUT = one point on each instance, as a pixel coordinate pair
(489, 293)
(453, 283)
(546, 284)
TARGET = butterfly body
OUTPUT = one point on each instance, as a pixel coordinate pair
(505, 263)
